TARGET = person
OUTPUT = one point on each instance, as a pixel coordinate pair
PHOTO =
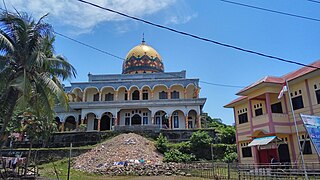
(14, 163)
(273, 160)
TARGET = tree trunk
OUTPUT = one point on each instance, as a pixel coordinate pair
(8, 107)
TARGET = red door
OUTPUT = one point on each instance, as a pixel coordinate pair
(266, 154)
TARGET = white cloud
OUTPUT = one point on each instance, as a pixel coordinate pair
(176, 19)
(84, 17)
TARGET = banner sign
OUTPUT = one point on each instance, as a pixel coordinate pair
(312, 124)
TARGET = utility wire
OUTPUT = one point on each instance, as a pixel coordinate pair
(270, 10)
(198, 37)
(314, 1)
(89, 46)
(122, 59)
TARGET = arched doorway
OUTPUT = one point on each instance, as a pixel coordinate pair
(70, 123)
(105, 123)
(136, 120)
(161, 119)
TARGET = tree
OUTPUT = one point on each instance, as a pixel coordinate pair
(200, 144)
(29, 70)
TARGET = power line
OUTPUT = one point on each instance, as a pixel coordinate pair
(270, 10)
(89, 46)
(198, 37)
(122, 59)
(314, 1)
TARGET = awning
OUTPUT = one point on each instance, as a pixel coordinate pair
(264, 141)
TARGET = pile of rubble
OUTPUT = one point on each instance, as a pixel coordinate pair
(122, 155)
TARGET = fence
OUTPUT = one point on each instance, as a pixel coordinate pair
(233, 171)
(212, 170)
(279, 171)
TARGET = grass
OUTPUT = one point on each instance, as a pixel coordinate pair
(47, 171)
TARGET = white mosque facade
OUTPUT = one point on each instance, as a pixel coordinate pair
(143, 96)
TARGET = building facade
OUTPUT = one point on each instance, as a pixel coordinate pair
(258, 113)
(142, 96)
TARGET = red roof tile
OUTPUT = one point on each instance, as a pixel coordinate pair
(236, 100)
(278, 80)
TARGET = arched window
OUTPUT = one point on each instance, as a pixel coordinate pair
(145, 94)
(135, 95)
(96, 97)
(175, 120)
(163, 95)
(109, 97)
(175, 95)
(125, 95)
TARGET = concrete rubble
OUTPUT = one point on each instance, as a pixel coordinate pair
(126, 154)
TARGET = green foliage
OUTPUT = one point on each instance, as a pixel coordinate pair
(200, 139)
(200, 144)
(221, 150)
(227, 135)
(82, 127)
(29, 71)
(162, 143)
(174, 155)
(184, 147)
(230, 157)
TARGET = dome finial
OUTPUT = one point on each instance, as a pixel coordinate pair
(143, 42)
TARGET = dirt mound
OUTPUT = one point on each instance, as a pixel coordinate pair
(130, 148)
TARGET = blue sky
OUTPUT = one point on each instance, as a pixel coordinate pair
(283, 36)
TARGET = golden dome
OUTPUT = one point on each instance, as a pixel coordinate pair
(143, 49)
(142, 59)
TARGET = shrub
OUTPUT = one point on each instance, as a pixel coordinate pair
(162, 143)
(183, 147)
(230, 157)
(174, 155)
(200, 145)
(221, 150)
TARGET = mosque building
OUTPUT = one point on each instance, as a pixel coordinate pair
(143, 96)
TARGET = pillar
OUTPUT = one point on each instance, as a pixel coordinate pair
(152, 120)
(99, 122)
(116, 95)
(84, 97)
(115, 121)
(152, 94)
(309, 96)
(269, 112)
(129, 95)
(170, 124)
(187, 121)
(62, 127)
(140, 94)
(169, 93)
(100, 95)
(185, 93)
(198, 121)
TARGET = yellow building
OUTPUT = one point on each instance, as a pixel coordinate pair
(259, 113)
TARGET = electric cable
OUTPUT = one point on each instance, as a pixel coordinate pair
(122, 59)
(198, 37)
(270, 10)
(314, 1)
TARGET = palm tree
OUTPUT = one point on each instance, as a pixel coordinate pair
(29, 70)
